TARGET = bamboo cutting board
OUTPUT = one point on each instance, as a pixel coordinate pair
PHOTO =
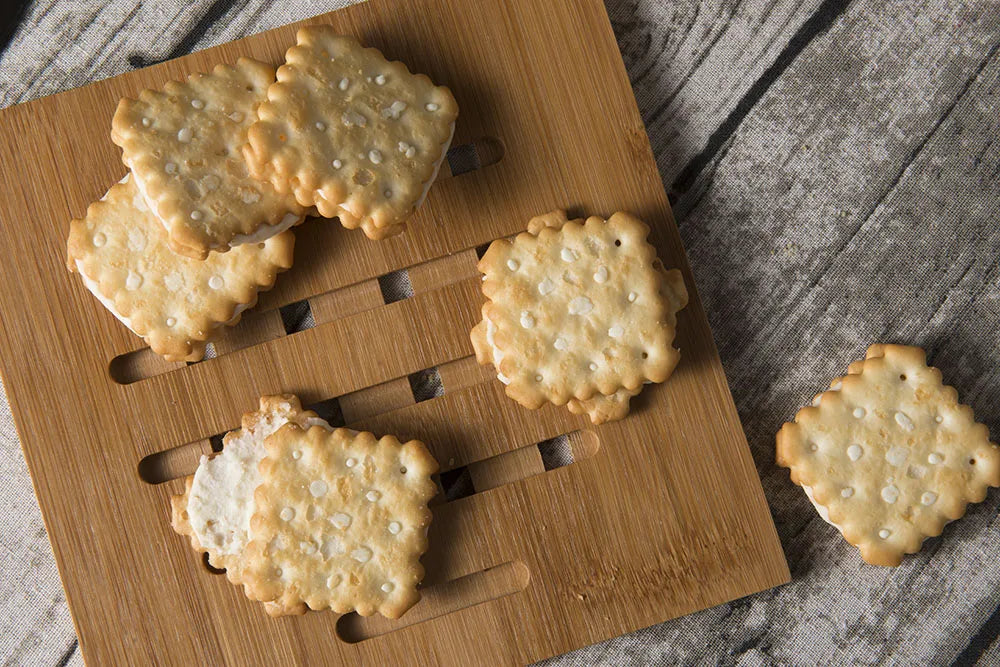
(658, 515)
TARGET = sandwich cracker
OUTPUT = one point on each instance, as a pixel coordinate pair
(183, 145)
(340, 522)
(215, 508)
(356, 136)
(888, 455)
(176, 304)
(579, 313)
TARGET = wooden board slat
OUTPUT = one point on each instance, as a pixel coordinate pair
(664, 515)
(345, 301)
(465, 372)
(254, 327)
(506, 468)
(443, 271)
(380, 398)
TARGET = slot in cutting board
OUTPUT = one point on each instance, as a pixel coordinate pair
(658, 515)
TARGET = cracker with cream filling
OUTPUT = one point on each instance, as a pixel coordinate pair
(888, 455)
(351, 133)
(578, 313)
(340, 522)
(183, 145)
(215, 508)
(175, 303)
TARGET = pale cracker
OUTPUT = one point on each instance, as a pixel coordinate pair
(888, 455)
(340, 521)
(183, 145)
(176, 304)
(578, 312)
(347, 131)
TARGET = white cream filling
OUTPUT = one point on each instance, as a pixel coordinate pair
(142, 191)
(240, 307)
(437, 167)
(221, 501)
(95, 289)
(823, 512)
(491, 332)
(264, 232)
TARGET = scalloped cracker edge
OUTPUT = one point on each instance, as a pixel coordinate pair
(888, 455)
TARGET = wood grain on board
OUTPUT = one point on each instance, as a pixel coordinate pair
(666, 517)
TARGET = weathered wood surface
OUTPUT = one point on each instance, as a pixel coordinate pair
(836, 179)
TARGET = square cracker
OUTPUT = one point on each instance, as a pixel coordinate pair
(578, 312)
(340, 521)
(888, 455)
(347, 131)
(183, 145)
(176, 304)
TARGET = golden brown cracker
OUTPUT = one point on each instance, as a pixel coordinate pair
(351, 133)
(888, 454)
(183, 145)
(578, 312)
(340, 521)
(175, 303)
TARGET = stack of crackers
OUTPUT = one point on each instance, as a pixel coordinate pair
(224, 164)
(579, 313)
(221, 167)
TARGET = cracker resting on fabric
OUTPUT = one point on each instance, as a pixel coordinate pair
(176, 304)
(345, 130)
(888, 455)
(340, 522)
(183, 145)
(579, 313)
